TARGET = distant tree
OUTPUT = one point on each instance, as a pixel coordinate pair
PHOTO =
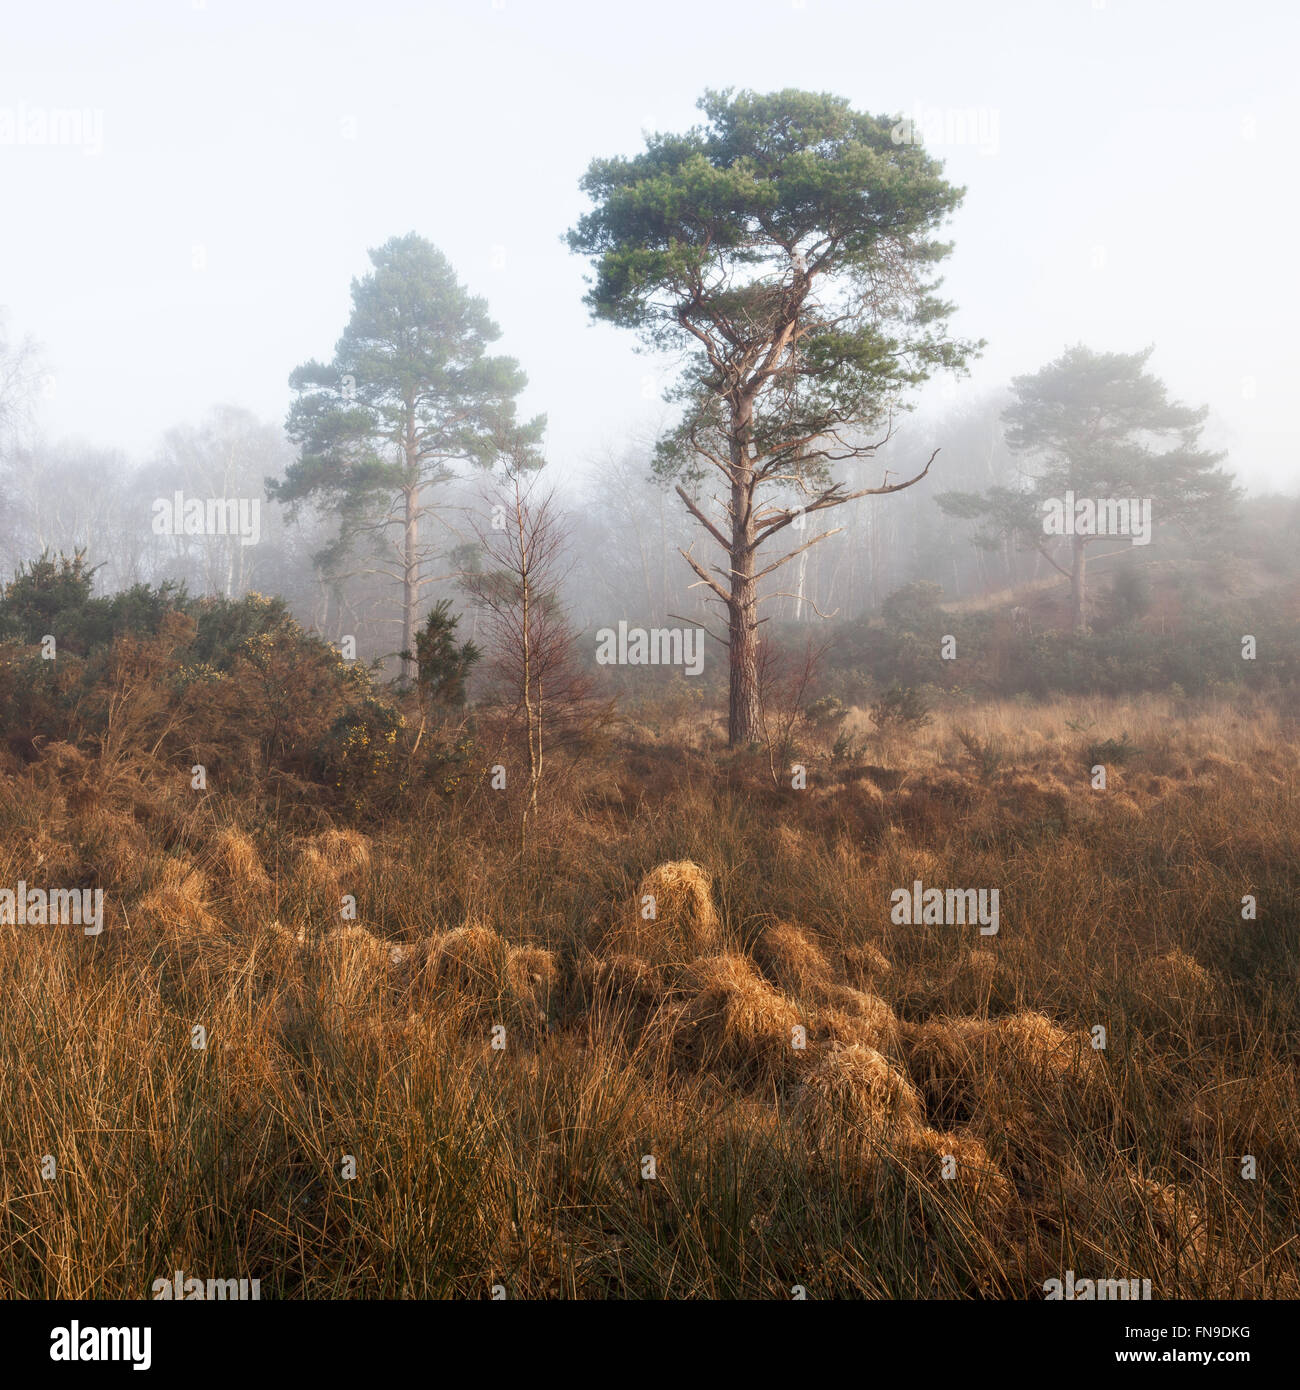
(786, 248)
(67, 496)
(20, 368)
(19, 373)
(1097, 425)
(228, 455)
(410, 390)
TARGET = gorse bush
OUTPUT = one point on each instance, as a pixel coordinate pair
(1111, 751)
(900, 708)
(987, 754)
(236, 685)
(360, 754)
(53, 596)
(1145, 637)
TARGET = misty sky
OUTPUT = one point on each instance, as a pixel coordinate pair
(1129, 165)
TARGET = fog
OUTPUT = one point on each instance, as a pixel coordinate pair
(191, 188)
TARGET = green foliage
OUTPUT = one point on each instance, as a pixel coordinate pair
(359, 755)
(1195, 646)
(451, 758)
(785, 250)
(900, 709)
(443, 665)
(236, 684)
(845, 748)
(987, 754)
(225, 626)
(721, 234)
(915, 608)
(53, 595)
(410, 388)
(1111, 751)
(1130, 595)
(825, 712)
(1099, 425)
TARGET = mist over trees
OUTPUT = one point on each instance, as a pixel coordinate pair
(1096, 425)
(785, 250)
(625, 529)
(411, 390)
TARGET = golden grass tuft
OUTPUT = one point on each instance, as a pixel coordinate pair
(355, 948)
(974, 983)
(685, 922)
(178, 900)
(1006, 1075)
(1032, 1040)
(734, 1021)
(621, 989)
(976, 1175)
(790, 959)
(356, 973)
(849, 1015)
(1177, 980)
(333, 860)
(469, 960)
(1174, 1217)
(532, 974)
(345, 851)
(864, 965)
(237, 855)
(854, 1094)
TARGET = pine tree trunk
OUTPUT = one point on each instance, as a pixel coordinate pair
(745, 724)
(1079, 586)
(410, 581)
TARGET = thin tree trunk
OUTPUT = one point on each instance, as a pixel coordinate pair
(1079, 586)
(532, 709)
(410, 580)
(745, 722)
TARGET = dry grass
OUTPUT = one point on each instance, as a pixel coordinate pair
(830, 1099)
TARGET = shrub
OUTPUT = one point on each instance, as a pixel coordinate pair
(359, 754)
(986, 753)
(443, 666)
(1112, 751)
(900, 708)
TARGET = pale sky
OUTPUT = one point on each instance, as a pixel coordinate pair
(1130, 168)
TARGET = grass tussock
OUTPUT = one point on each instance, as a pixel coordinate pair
(700, 969)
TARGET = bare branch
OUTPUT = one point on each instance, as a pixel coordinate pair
(695, 622)
(776, 564)
(702, 518)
